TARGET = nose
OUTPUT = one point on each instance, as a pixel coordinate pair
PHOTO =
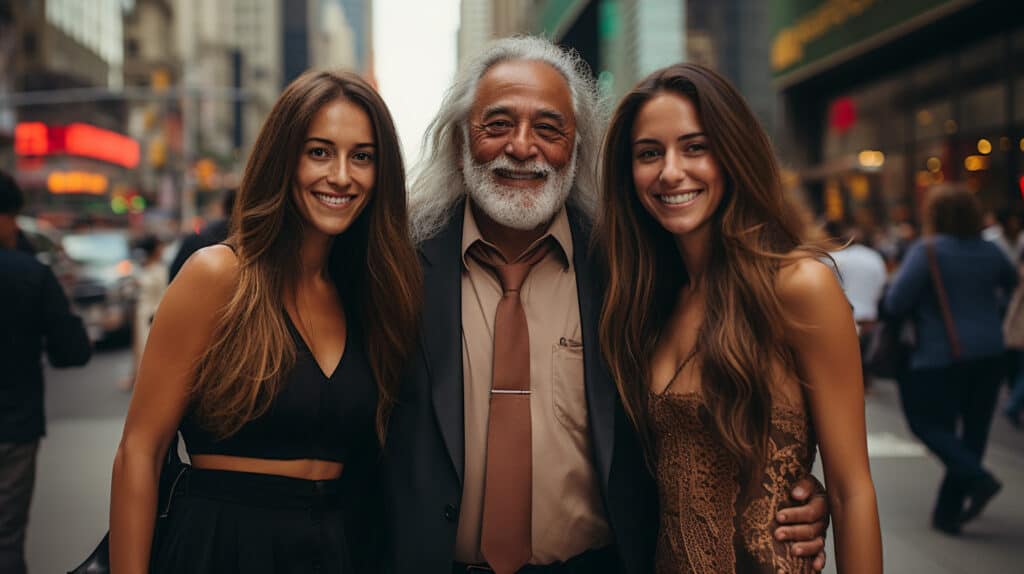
(520, 145)
(673, 171)
(338, 174)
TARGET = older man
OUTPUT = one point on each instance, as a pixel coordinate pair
(508, 450)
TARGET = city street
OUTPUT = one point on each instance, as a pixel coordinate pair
(86, 410)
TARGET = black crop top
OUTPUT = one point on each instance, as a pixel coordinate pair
(312, 416)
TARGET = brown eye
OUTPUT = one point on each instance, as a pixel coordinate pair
(318, 152)
(498, 126)
(647, 154)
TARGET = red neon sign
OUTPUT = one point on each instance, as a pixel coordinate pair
(36, 138)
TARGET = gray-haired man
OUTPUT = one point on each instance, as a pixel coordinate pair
(509, 182)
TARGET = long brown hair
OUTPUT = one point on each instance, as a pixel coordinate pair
(754, 229)
(373, 264)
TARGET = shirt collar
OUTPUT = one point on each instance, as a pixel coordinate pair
(558, 230)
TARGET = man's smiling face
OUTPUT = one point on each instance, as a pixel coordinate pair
(519, 160)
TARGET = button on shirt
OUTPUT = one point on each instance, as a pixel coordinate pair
(568, 515)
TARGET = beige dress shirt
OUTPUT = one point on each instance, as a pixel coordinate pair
(568, 515)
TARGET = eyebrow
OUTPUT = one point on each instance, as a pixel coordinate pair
(326, 141)
(681, 138)
(544, 113)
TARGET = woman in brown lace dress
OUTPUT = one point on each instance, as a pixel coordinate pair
(731, 343)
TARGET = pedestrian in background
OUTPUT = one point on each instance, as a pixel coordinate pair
(863, 275)
(1003, 227)
(948, 284)
(152, 279)
(215, 232)
(34, 318)
(1013, 333)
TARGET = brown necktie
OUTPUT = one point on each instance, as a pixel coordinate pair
(508, 483)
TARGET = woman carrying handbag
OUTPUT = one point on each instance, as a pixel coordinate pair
(948, 285)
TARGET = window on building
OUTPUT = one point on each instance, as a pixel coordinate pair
(983, 107)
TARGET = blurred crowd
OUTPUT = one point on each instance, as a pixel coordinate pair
(939, 310)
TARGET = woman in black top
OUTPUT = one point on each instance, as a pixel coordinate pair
(277, 357)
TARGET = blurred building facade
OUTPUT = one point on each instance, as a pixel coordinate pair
(327, 34)
(152, 64)
(476, 27)
(63, 64)
(188, 82)
(624, 40)
(884, 99)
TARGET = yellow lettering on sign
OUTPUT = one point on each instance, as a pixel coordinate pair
(788, 44)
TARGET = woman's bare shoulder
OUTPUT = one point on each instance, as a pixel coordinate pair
(210, 273)
(217, 263)
(805, 281)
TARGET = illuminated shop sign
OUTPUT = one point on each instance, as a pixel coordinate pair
(83, 140)
(809, 36)
(76, 182)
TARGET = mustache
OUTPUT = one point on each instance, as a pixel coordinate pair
(539, 167)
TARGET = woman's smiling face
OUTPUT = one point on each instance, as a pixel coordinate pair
(337, 167)
(675, 173)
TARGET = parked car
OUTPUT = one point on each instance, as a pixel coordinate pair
(103, 289)
(44, 241)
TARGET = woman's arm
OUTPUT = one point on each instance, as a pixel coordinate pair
(181, 330)
(824, 340)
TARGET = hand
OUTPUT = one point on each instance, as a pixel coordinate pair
(804, 525)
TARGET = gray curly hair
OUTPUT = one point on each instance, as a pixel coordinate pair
(437, 180)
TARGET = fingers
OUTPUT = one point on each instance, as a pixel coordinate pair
(804, 488)
(809, 549)
(814, 510)
(819, 561)
(797, 533)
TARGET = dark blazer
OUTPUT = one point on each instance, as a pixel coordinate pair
(424, 456)
(35, 318)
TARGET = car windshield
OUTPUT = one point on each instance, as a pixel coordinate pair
(97, 248)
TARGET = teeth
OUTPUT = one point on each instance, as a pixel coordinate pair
(678, 198)
(518, 174)
(333, 200)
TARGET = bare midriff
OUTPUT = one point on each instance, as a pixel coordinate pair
(305, 468)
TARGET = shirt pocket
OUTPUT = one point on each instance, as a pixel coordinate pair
(567, 388)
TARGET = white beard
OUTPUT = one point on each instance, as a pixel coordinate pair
(513, 207)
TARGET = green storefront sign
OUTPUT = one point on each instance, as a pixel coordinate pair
(555, 16)
(809, 35)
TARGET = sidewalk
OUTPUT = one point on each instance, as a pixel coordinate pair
(906, 482)
(69, 511)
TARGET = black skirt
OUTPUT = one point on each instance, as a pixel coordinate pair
(233, 522)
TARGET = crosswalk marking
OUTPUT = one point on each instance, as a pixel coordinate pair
(891, 445)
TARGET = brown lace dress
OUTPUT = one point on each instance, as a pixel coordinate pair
(707, 525)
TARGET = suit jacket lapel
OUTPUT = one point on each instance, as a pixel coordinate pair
(600, 389)
(441, 335)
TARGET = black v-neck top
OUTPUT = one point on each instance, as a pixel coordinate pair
(313, 416)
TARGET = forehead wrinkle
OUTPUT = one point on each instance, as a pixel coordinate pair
(500, 108)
